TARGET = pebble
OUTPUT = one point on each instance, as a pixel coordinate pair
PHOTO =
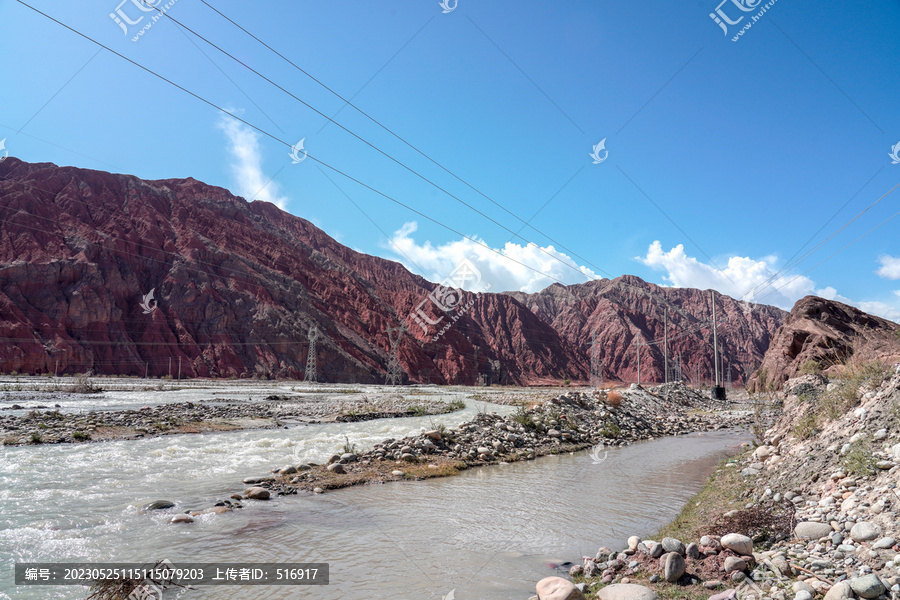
(865, 531)
(181, 519)
(257, 493)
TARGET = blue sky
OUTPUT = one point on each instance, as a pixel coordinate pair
(724, 157)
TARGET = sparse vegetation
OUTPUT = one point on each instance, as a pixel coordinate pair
(566, 382)
(36, 438)
(84, 385)
(859, 460)
(455, 405)
(81, 436)
(808, 425)
(522, 417)
(348, 448)
(610, 429)
(810, 366)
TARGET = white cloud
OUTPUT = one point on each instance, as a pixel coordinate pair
(500, 273)
(743, 277)
(743, 274)
(890, 267)
(246, 165)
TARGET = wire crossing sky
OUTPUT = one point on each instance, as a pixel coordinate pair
(751, 147)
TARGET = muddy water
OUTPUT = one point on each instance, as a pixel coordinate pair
(488, 533)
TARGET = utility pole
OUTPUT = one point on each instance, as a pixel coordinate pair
(56, 369)
(179, 368)
(715, 338)
(170, 367)
(596, 364)
(637, 344)
(312, 336)
(394, 373)
(666, 342)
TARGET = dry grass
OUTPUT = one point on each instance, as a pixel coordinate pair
(614, 398)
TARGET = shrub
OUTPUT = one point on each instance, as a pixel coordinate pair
(610, 429)
(84, 385)
(566, 382)
(614, 398)
(348, 447)
(455, 405)
(859, 460)
(521, 417)
(36, 438)
(810, 366)
(81, 436)
(807, 425)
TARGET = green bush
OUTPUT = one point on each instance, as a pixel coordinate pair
(610, 429)
(859, 460)
(810, 366)
(81, 436)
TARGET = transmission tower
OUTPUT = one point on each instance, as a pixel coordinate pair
(394, 374)
(596, 363)
(311, 374)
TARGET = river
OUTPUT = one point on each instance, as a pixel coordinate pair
(488, 533)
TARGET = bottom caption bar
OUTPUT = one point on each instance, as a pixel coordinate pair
(166, 573)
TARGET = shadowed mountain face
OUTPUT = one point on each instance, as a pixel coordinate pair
(236, 287)
(829, 333)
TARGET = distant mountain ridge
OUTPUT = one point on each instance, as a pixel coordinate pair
(237, 285)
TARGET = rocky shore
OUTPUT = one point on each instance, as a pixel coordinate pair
(569, 422)
(55, 427)
(818, 514)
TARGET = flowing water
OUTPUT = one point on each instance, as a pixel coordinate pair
(488, 533)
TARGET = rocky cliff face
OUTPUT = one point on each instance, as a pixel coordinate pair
(237, 285)
(627, 310)
(829, 333)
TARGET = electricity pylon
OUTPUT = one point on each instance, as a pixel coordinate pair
(311, 374)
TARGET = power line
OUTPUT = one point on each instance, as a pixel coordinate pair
(275, 138)
(405, 141)
(812, 250)
(365, 141)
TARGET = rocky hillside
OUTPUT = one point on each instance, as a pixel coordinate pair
(237, 285)
(823, 334)
(626, 309)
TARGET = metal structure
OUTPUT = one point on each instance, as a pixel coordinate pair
(596, 363)
(311, 374)
(394, 375)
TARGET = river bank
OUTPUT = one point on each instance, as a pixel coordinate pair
(569, 422)
(813, 511)
(274, 411)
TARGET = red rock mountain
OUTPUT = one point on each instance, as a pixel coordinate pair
(627, 309)
(829, 333)
(237, 285)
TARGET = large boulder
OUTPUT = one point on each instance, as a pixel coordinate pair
(557, 588)
(738, 543)
(868, 586)
(810, 530)
(673, 566)
(840, 591)
(865, 531)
